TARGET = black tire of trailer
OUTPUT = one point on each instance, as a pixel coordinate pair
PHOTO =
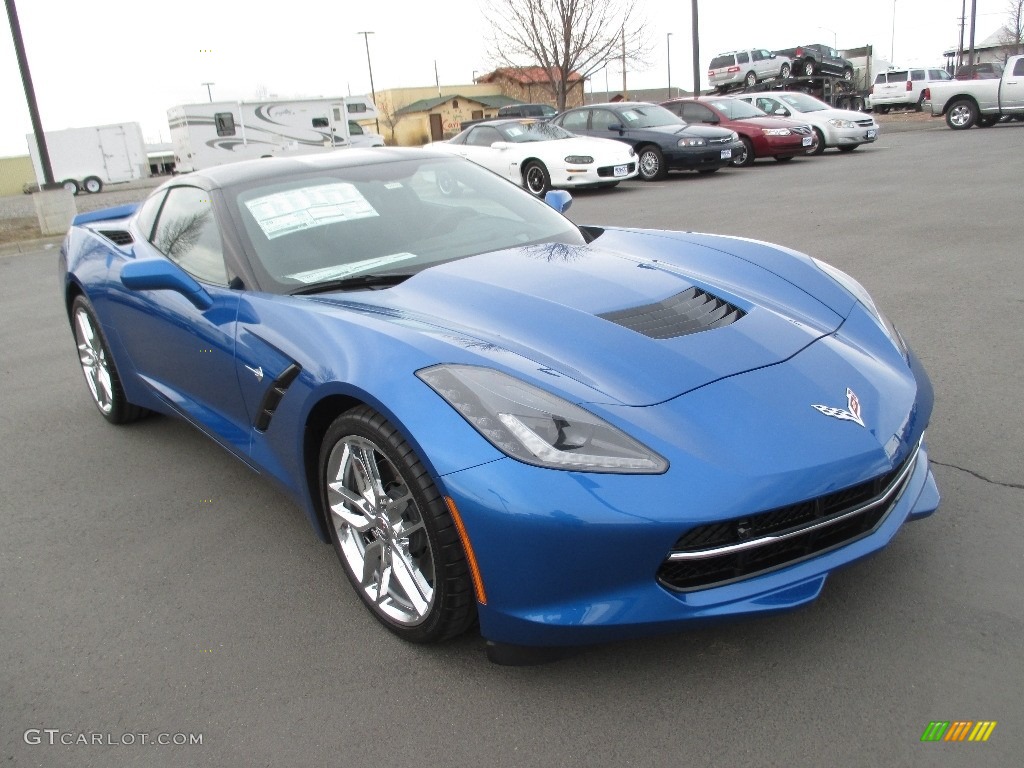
(92, 185)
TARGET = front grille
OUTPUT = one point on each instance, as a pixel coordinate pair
(718, 553)
(609, 170)
(723, 140)
(691, 311)
(865, 123)
(801, 130)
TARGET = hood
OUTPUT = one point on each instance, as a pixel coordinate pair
(704, 131)
(606, 314)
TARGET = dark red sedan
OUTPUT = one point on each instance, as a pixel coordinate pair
(762, 135)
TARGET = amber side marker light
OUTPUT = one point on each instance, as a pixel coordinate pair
(474, 570)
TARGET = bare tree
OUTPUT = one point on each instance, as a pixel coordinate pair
(1011, 36)
(389, 115)
(563, 37)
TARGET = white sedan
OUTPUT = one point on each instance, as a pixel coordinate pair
(840, 128)
(541, 156)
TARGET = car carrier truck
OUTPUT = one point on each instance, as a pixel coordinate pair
(84, 159)
(213, 133)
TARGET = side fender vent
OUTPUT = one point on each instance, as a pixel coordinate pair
(691, 311)
(272, 397)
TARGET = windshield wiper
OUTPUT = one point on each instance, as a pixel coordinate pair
(382, 280)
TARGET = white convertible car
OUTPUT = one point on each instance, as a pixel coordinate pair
(541, 156)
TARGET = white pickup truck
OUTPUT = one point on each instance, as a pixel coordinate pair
(980, 102)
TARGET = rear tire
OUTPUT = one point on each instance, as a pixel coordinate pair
(71, 186)
(98, 366)
(784, 71)
(652, 164)
(819, 143)
(807, 68)
(962, 114)
(750, 79)
(746, 157)
(92, 185)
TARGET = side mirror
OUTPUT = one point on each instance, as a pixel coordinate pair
(558, 199)
(500, 145)
(782, 112)
(616, 127)
(771, 55)
(159, 275)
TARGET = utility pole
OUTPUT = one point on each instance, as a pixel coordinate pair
(625, 93)
(30, 96)
(209, 93)
(668, 58)
(963, 28)
(696, 50)
(974, 19)
(369, 66)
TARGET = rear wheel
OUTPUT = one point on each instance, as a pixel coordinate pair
(746, 155)
(392, 530)
(92, 185)
(750, 79)
(819, 143)
(101, 374)
(70, 185)
(961, 114)
(808, 68)
(652, 164)
(536, 179)
(784, 71)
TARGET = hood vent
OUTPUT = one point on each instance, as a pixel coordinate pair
(117, 236)
(691, 311)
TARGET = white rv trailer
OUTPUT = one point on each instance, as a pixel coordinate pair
(88, 158)
(208, 134)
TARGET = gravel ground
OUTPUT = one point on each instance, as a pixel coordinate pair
(18, 213)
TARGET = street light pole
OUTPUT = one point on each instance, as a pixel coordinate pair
(369, 66)
(209, 93)
(668, 58)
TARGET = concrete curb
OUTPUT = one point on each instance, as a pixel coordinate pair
(27, 246)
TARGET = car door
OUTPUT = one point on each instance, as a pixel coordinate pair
(1012, 91)
(185, 353)
(698, 114)
(577, 121)
(762, 63)
(478, 149)
(771, 105)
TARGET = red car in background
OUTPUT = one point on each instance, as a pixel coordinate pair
(762, 134)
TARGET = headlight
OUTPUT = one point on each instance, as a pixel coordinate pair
(735, 136)
(691, 142)
(860, 293)
(536, 427)
(842, 123)
(776, 131)
(579, 159)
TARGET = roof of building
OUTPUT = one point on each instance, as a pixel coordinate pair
(425, 105)
(523, 75)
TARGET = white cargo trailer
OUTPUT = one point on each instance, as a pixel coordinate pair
(88, 158)
(209, 134)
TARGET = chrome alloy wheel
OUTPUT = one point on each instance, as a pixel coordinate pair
(380, 530)
(650, 164)
(961, 115)
(93, 357)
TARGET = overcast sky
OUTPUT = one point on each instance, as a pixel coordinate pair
(111, 61)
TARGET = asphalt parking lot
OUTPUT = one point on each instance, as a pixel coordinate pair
(152, 585)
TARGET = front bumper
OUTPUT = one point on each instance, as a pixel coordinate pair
(837, 137)
(571, 176)
(700, 158)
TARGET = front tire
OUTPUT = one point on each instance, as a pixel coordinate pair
(536, 178)
(784, 71)
(652, 164)
(808, 68)
(98, 366)
(71, 186)
(962, 114)
(392, 530)
(750, 79)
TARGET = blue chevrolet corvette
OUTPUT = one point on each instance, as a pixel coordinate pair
(567, 434)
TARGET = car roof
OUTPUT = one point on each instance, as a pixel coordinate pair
(245, 171)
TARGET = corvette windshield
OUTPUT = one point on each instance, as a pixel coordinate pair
(392, 218)
(522, 132)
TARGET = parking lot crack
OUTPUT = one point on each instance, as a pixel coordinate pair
(1018, 486)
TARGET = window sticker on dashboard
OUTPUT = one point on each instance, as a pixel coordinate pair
(295, 209)
(630, 116)
(339, 271)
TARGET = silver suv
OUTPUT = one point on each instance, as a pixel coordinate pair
(903, 87)
(747, 67)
